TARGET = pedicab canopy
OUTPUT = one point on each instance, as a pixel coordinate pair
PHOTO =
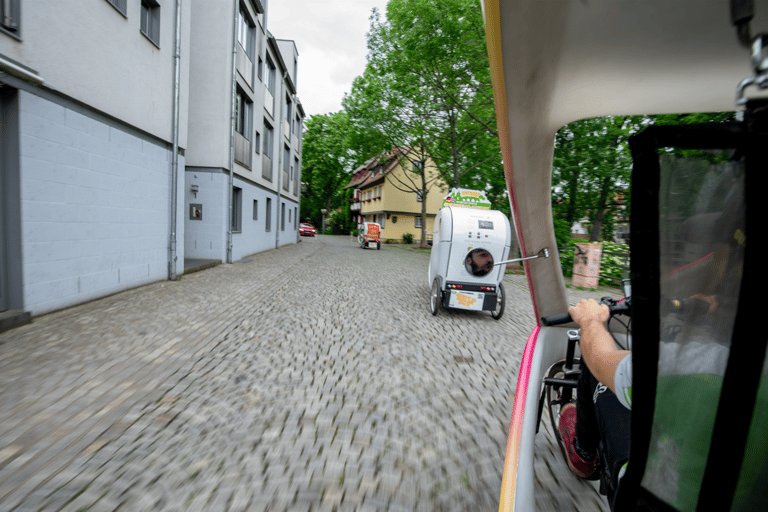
(700, 404)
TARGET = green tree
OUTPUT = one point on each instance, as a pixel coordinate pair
(427, 87)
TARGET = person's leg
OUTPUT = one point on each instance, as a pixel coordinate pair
(579, 428)
(587, 427)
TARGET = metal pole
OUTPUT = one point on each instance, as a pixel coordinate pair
(172, 259)
(232, 131)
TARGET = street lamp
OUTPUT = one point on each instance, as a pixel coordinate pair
(323, 211)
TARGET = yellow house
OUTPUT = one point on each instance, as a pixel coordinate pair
(385, 193)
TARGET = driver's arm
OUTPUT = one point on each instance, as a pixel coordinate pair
(597, 346)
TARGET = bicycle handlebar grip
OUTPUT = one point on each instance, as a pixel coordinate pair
(560, 318)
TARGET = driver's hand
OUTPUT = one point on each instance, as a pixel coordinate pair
(589, 310)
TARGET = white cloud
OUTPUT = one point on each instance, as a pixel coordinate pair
(330, 38)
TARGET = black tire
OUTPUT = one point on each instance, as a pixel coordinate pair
(553, 396)
(501, 298)
(378, 246)
(435, 296)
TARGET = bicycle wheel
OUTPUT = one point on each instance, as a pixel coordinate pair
(557, 396)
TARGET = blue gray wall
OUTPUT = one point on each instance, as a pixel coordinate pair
(94, 206)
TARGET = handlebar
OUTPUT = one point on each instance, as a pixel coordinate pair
(615, 307)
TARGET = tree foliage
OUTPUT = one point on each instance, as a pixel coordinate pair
(332, 147)
(427, 87)
(592, 167)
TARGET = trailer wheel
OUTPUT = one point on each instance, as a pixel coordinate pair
(378, 245)
(501, 297)
(435, 296)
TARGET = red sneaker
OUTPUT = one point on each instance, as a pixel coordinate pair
(567, 427)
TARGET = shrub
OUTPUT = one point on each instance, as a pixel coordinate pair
(355, 232)
(408, 238)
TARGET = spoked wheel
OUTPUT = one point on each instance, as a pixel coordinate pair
(500, 298)
(557, 396)
(435, 296)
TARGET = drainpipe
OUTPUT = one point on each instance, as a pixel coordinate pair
(232, 133)
(280, 166)
(172, 257)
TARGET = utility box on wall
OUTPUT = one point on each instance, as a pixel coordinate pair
(586, 265)
(195, 211)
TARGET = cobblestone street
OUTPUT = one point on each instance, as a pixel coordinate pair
(312, 377)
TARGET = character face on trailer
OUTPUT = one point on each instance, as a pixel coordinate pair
(479, 262)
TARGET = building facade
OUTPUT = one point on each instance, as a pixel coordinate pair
(244, 162)
(383, 192)
(110, 135)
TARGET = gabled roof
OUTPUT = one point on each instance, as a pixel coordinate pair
(374, 170)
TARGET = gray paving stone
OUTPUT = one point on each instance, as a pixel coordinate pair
(306, 379)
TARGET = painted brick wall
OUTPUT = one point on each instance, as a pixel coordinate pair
(207, 238)
(95, 207)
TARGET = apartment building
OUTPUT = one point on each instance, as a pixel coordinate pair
(242, 183)
(146, 133)
(91, 114)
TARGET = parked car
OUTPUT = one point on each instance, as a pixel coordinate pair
(307, 229)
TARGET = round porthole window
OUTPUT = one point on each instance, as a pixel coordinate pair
(479, 262)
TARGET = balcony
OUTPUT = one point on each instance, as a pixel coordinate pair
(269, 102)
(244, 66)
(355, 207)
(242, 150)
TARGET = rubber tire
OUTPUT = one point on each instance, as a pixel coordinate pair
(496, 314)
(435, 296)
(550, 394)
(378, 246)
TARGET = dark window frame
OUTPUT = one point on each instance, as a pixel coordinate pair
(149, 24)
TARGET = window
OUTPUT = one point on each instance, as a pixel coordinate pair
(288, 105)
(245, 31)
(269, 215)
(289, 216)
(242, 113)
(237, 209)
(120, 5)
(150, 20)
(255, 209)
(417, 222)
(295, 217)
(286, 166)
(257, 141)
(269, 138)
(271, 72)
(419, 195)
(10, 10)
(282, 217)
(260, 69)
(382, 218)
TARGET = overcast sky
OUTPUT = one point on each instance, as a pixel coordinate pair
(330, 38)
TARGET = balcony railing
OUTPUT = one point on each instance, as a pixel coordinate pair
(244, 66)
(242, 150)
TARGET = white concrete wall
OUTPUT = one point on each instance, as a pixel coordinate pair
(210, 90)
(207, 238)
(95, 207)
(91, 52)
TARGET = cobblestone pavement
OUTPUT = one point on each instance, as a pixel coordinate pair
(309, 378)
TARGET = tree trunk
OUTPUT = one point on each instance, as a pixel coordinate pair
(573, 185)
(454, 151)
(423, 242)
(514, 246)
(600, 211)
